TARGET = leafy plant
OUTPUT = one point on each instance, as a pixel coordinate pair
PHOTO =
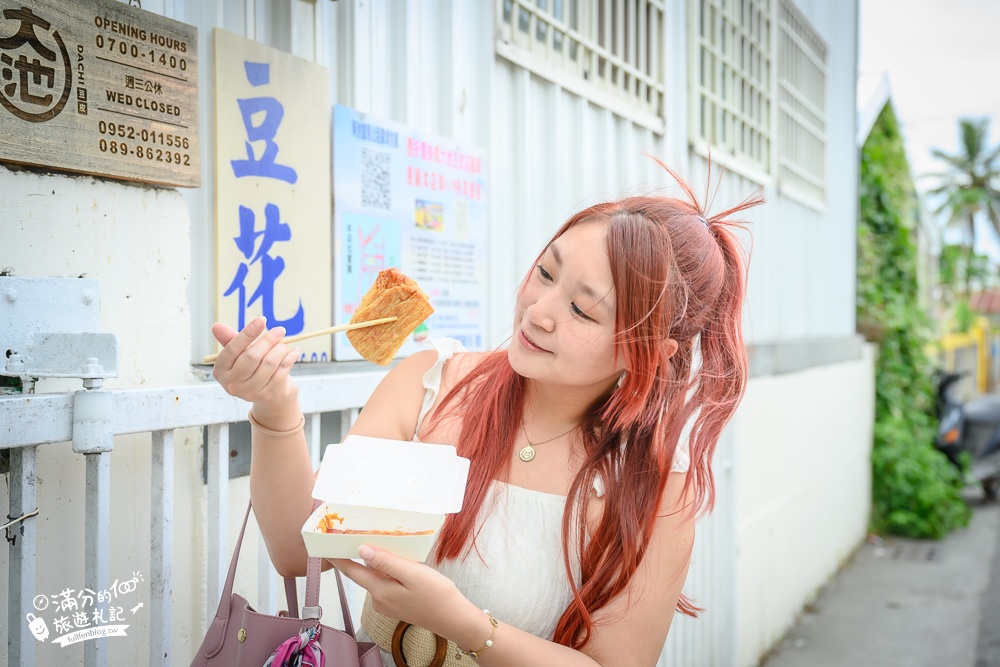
(959, 270)
(915, 490)
(959, 266)
(964, 316)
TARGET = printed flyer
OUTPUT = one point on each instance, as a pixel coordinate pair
(417, 202)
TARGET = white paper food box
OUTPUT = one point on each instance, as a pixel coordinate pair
(390, 485)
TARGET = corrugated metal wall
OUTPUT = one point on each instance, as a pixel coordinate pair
(552, 153)
(431, 64)
(802, 282)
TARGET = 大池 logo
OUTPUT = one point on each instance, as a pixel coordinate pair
(35, 79)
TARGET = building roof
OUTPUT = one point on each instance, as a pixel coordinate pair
(987, 303)
(873, 93)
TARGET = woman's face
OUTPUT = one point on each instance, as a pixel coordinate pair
(564, 319)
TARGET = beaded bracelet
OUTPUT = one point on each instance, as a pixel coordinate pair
(276, 434)
(489, 642)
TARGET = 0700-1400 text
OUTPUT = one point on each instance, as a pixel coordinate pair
(121, 47)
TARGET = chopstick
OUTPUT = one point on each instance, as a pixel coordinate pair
(321, 332)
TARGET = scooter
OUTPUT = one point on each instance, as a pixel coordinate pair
(971, 427)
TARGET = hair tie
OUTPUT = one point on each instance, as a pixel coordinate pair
(703, 220)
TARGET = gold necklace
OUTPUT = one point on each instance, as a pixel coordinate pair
(527, 453)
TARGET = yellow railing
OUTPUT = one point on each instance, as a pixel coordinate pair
(976, 352)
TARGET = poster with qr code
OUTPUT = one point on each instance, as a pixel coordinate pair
(415, 201)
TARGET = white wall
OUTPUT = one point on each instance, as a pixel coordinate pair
(803, 491)
(135, 241)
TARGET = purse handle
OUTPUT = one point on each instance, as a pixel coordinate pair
(313, 570)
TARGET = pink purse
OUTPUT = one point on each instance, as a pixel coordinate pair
(239, 636)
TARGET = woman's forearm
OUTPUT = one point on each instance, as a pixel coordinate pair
(512, 646)
(281, 482)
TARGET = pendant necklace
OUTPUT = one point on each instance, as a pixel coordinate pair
(527, 452)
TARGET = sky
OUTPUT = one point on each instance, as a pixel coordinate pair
(942, 58)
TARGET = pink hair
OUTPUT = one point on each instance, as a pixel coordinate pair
(678, 275)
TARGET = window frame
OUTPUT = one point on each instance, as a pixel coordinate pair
(726, 69)
(791, 121)
(784, 125)
(627, 77)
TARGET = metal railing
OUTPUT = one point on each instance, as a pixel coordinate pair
(975, 353)
(33, 420)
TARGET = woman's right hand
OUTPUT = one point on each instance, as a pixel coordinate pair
(256, 368)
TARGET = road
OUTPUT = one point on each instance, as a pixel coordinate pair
(907, 603)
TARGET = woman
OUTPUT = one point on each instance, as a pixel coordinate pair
(579, 514)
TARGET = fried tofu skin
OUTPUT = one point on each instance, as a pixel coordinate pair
(392, 295)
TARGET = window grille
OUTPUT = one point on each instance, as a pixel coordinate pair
(608, 51)
(731, 78)
(801, 106)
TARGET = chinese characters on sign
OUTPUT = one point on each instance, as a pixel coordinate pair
(417, 202)
(99, 87)
(34, 93)
(81, 615)
(273, 190)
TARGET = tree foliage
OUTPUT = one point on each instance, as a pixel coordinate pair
(971, 185)
(915, 491)
(959, 270)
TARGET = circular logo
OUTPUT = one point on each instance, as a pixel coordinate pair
(35, 71)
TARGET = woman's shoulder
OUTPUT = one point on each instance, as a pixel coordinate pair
(449, 372)
(459, 366)
(396, 406)
(463, 362)
(392, 409)
(446, 359)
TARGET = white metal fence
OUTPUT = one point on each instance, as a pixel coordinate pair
(30, 421)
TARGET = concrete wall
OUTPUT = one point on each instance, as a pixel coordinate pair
(803, 491)
(135, 240)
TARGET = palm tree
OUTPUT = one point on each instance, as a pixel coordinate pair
(971, 185)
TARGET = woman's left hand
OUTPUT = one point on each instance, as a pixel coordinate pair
(409, 591)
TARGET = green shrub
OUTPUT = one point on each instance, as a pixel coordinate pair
(915, 490)
(964, 316)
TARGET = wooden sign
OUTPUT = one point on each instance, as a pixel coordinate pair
(272, 190)
(99, 87)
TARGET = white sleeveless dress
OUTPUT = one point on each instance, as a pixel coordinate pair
(515, 568)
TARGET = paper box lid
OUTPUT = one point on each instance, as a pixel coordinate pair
(393, 474)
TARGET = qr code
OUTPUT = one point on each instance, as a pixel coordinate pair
(376, 188)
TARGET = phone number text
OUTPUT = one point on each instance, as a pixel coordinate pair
(143, 134)
(144, 152)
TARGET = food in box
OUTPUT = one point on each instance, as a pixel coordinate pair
(387, 493)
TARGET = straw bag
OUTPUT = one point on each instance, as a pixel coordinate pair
(240, 636)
